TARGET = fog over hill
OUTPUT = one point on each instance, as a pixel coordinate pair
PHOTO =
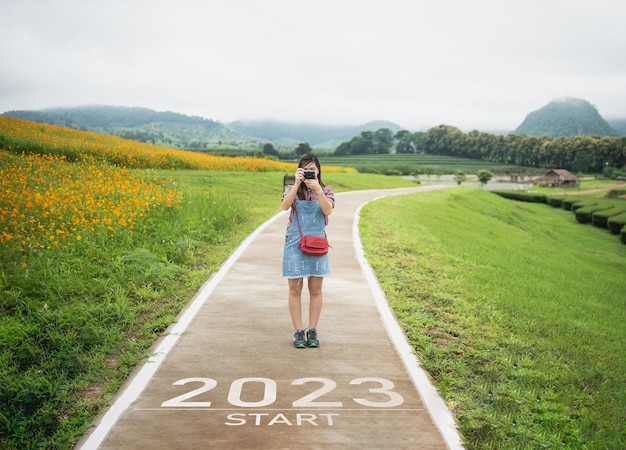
(182, 131)
(314, 134)
(566, 117)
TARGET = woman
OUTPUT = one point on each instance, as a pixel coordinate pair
(313, 202)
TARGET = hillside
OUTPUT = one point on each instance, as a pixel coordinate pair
(322, 136)
(619, 125)
(141, 124)
(567, 117)
(195, 133)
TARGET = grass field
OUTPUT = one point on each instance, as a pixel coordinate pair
(590, 188)
(95, 262)
(410, 164)
(509, 305)
(516, 310)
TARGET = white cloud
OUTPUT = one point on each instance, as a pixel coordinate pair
(482, 64)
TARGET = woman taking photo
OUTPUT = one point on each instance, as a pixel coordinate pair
(312, 202)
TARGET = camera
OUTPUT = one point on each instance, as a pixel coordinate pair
(309, 174)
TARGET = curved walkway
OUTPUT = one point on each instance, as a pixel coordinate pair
(227, 376)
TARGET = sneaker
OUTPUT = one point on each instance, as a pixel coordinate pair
(311, 338)
(298, 339)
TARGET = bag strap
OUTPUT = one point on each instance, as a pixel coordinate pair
(297, 220)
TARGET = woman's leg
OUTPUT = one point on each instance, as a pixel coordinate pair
(295, 304)
(315, 303)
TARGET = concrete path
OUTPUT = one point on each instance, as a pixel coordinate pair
(227, 376)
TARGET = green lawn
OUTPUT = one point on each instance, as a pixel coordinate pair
(511, 306)
(516, 310)
(408, 164)
(599, 185)
(77, 319)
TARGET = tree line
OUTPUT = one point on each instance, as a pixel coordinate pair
(577, 153)
(381, 142)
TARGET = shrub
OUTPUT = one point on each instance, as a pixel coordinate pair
(616, 193)
(568, 202)
(617, 223)
(572, 204)
(622, 235)
(601, 218)
(583, 214)
(583, 203)
(523, 196)
(556, 202)
(601, 212)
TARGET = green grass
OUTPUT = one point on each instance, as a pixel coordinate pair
(76, 320)
(409, 164)
(601, 185)
(516, 310)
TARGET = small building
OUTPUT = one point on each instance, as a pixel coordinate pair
(558, 178)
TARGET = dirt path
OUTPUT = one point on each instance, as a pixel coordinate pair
(593, 191)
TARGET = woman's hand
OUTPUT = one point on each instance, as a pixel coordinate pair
(299, 177)
(290, 197)
(314, 185)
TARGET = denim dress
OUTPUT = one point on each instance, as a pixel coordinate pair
(295, 263)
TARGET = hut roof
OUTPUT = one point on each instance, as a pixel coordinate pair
(561, 174)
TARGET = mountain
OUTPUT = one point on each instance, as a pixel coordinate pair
(142, 124)
(619, 125)
(190, 132)
(323, 136)
(567, 117)
(109, 117)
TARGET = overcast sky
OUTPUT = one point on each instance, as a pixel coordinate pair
(480, 64)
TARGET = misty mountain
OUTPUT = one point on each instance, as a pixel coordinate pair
(567, 117)
(325, 136)
(109, 117)
(142, 124)
(190, 132)
(619, 125)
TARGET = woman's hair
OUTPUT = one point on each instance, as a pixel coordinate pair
(306, 159)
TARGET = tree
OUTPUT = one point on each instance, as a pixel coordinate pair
(444, 140)
(406, 141)
(484, 176)
(344, 148)
(581, 162)
(364, 144)
(383, 141)
(460, 177)
(269, 149)
(303, 147)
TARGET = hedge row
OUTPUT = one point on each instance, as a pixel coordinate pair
(616, 193)
(607, 213)
(523, 196)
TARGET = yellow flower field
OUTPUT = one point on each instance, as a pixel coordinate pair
(99, 251)
(17, 135)
(57, 183)
(46, 202)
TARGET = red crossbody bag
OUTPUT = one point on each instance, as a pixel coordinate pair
(311, 245)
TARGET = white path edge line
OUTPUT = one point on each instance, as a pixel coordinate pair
(140, 381)
(435, 405)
